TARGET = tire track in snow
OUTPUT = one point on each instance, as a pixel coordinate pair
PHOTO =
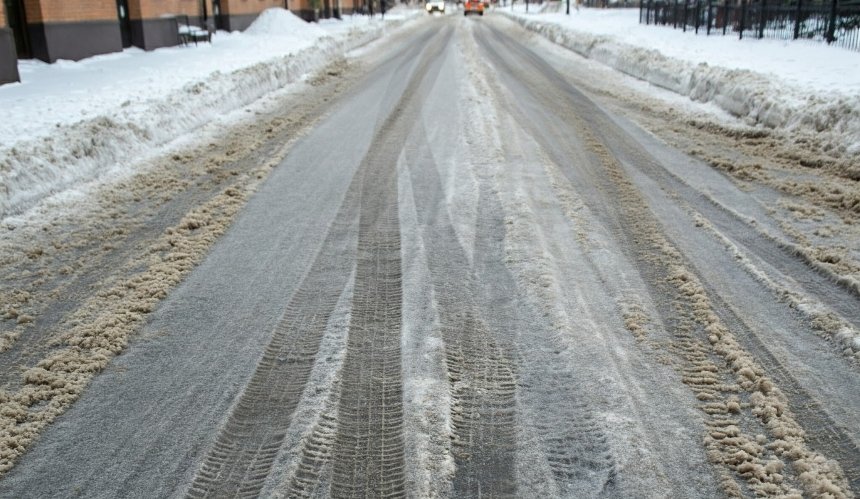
(315, 461)
(245, 449)
(741, 402)
(556, 425)
(368, 449)
(574, 445)
(481, 370)
(303, 467)
(247, 446)
(823, 433)
(686, 306)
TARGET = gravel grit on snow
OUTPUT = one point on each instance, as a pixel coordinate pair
(802, 87)
(69, 123)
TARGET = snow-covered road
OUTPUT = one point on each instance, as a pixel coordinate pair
(462, 262)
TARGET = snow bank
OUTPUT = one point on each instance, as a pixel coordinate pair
(277, 22)
(825, 103)
(73, 122)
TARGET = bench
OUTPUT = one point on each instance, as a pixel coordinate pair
(189, 33)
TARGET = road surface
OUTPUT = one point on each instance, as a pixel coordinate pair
(469, 271)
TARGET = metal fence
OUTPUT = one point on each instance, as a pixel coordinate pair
(835, 22)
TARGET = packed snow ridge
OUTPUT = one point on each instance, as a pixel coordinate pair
(277, 22)
(795, 87)
(71, 123)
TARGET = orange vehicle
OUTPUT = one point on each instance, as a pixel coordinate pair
(473, 7)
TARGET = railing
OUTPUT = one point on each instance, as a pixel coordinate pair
(832, 21)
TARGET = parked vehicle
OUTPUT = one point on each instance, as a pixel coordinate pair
(473, 7)
(435, 6)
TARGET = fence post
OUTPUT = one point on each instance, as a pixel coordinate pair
(675, 15)
(698, 12)
(640, 13)
(831, 25)
(648, 13)
(762, 18)
(725, 18)
(797, 14)
(743, 19)
(686, 4)
(708, 29)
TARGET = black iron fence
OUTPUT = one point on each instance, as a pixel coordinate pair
(832, 21)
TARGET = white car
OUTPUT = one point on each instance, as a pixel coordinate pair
(435, 6)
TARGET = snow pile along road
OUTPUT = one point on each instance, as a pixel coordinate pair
(74, 122)
(796, 87)
(278, 22)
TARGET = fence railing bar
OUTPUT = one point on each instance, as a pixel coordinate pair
(831, 21)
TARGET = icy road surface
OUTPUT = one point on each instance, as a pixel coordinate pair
(462, 263)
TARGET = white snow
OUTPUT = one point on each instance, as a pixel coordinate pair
(803, 86)
(72, 122)
(280, 22)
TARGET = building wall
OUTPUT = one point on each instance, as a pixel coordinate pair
(149, 9)
(237, 15)
(72, 29)
(244, 7)
(58, 11)
(325, 8)
(350, 6)
(8, 55)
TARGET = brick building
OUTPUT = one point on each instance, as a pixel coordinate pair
(8, 58)
(75, 29)
(61, 29)
(152, 24)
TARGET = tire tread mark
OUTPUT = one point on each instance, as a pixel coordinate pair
(575, 446)
(822, 432)
(368, 453)
(246, 447)
(368, 447)
(481, 373)
(315, 459)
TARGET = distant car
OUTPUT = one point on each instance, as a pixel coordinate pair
(435, 6)
(473, 7)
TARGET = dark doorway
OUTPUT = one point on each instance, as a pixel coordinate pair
(216, 14)
(204, 14)
(124, 22)
(18, 23)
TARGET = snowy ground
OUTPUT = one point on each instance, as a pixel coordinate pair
(70, 122)
(801, 87)
(510, 278)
